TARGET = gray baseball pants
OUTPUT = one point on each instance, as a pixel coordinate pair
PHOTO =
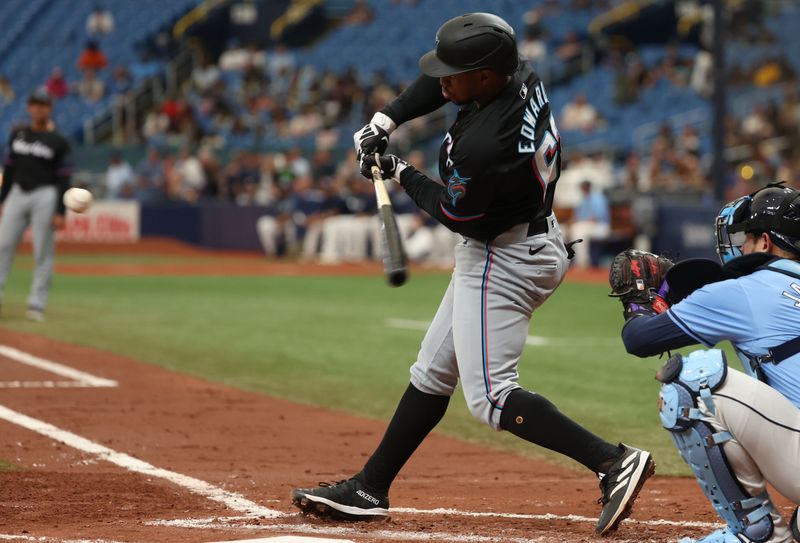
(35, 208)
(482, 323)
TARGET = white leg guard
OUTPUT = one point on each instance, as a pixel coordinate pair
(685, 395)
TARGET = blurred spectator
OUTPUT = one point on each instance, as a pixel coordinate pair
(317, 209)
(280, 63)
(121, 81)
(631, 77)
(673, 67)
(579, 115)
(322, 164)
(240, 178)
(119, 178)
(92, 58)
(590, 222)
(701, 79)
(755, 126)
(633, 175)
(533, 22)
(307, 121)
(100, 21)
(533, 48)
(155, 126)
(205, 75)
(190, 179)
(236, 57)
(360, 14)
(144, 67)
(212, 171)
(56, 84)
(150, 177)
(688, 141)
(297, 163)
(7, 93)
(177, 111)
(162, 47)
(772, 71)
(91, 88)
(577, 168)
(570, 53)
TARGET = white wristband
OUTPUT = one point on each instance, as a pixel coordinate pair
(384, 122)
(398, 170)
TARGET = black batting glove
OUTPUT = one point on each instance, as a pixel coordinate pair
(374, 136)
(391, 166)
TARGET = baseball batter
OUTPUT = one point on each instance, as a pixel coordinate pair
(737, 432)
(36, 174)
(499, 162)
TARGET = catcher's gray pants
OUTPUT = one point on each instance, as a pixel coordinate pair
(766, 439)
(35, 208)
(482, 323)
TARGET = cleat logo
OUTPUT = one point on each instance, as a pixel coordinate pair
(624, 478)
(371, 499)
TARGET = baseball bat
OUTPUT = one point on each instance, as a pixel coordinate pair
(394, 256)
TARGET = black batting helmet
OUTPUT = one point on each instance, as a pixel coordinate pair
(775, 209)
(472, 42)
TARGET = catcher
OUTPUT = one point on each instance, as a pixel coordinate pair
(737, 431)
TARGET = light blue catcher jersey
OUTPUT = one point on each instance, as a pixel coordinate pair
(755, 312)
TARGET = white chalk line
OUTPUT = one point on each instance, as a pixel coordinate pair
(232, 500)
(393, 535)
(44, 384)
(237, 522)
(81, 378)
(42, 539)
(538, 341)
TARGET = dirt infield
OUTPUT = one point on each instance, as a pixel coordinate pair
(104, 449)
(260, 448)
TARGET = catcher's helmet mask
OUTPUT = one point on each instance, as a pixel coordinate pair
(774, 209)
(472, 42)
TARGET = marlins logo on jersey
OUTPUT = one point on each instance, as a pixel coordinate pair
(456, 187)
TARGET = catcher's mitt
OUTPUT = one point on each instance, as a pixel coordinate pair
(636, 278)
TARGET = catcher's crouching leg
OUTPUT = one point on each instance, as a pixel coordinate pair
(684, 397)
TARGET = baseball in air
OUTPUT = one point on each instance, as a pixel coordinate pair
(77, 199)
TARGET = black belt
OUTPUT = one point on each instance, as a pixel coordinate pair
(539, 226)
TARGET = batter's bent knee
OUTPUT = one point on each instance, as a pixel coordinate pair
(487, 407)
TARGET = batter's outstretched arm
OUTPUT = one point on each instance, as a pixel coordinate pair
(420, 98)
(460, 210)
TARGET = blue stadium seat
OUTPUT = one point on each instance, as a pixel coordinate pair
(54, 34)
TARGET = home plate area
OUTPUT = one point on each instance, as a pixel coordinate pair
(288, 539)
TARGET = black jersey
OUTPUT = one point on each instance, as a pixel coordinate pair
(499, 163)
(35, 159)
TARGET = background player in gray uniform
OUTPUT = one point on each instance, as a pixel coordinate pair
(736, 431)
(500, 162)
(36, 174)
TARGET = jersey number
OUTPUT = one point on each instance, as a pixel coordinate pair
(545, 162)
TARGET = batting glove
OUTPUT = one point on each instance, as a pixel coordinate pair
(374, 136)
(391, 166)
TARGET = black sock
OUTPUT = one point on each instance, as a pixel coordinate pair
(416, 415)
(534, 418)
